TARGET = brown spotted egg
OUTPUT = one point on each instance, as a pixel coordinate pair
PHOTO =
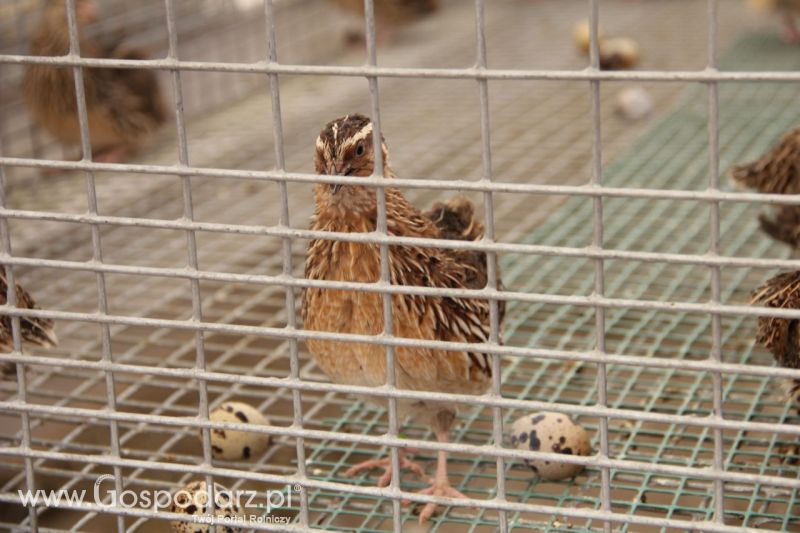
(193, 500)
(237, 445)
(551, 432)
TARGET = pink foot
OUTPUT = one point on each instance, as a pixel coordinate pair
(441, 484)
(439, 488)
(386, 465)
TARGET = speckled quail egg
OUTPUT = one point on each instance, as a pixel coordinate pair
(192, 500)
(232, 445)
(634, 103)
(551, 432)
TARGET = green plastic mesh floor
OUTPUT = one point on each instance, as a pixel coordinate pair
(672, 154)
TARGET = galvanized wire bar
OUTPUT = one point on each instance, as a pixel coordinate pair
(639, 361)
(506, 403)
(16, 339)
(596, 178)
(472, 73)
(714, 271)
(385, 273)
(579, 301)
(593, 461)
(489, 247)
(415, 183)
(191, 244)
(97, 254)
(491, 257)
(286, 251)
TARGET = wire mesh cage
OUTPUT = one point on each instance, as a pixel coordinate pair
(175, 277)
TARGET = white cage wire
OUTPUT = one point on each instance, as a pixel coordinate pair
(105, 379)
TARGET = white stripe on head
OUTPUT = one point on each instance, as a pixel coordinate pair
(360, 135)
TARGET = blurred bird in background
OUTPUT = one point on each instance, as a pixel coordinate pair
(789, 10)
(344, 147)
(390, 15)
(777, 172)
(614, 53)
(38, 331)
(124, 106)
(781, 336)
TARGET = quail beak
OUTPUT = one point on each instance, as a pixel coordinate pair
(336, 187)
(48, 338)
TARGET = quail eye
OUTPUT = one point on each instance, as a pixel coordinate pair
(360, 149)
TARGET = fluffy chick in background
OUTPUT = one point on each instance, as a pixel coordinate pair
(38, 331)
(777, 172)
(124, 106)
(789, 10)
(390, 15)
(345, 147)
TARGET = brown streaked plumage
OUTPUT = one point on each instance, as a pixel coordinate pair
(38, 331)
(344, 147)
(391, 14)
(775, 172)
(456, 220)
(124, 106)
(784, 226)
(781, 336)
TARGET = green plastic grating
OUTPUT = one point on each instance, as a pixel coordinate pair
(672, 154)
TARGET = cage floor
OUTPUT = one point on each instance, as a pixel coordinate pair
(540, 132)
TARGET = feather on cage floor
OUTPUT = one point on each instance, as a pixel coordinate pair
(670, 154)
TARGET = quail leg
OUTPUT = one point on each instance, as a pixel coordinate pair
(386, 465)
(441, 484)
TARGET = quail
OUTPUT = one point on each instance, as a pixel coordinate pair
(345, 147)
(781, 336)
(777, 172)
(38, 331)
(788, 10)
(124, 106)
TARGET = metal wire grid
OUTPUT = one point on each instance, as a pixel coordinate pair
(662, 225)
(234, 330)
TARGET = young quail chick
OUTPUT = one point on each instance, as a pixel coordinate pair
(789, 10)
(38, 331)
(344, 147)
(777, 172)
(781, 336)
(391, 14)
(124, 106)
